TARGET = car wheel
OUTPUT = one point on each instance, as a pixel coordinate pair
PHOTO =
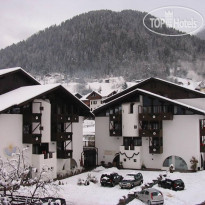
(141, 182)
(102, 184)
(113, 184)
(148, 202)
(159, 185)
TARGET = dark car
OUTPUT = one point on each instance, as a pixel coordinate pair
(131, 180)
(110, 179)
(176, 185)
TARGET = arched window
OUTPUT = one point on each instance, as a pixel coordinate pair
(178, 162)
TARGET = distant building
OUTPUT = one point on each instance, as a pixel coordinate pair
(95, 99)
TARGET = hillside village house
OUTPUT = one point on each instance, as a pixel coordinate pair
(47, 119)
(95, 99)
(154, 124)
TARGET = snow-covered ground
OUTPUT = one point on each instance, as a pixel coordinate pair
(95, 194)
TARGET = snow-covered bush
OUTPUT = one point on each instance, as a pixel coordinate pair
(194, 163)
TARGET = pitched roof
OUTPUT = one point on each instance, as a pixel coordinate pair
(124, 98)
(147, 81)
(8, 71)
(27, 93)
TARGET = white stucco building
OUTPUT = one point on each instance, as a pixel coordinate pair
(47, 119)
(153, 124)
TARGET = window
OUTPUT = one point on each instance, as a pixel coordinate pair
(137, 141)
(135, 160)
(124, 160)
(131, 108)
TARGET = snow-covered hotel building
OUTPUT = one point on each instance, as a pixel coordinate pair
(154, 123)
(47, 119)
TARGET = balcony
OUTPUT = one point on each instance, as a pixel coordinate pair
(155, 117)
(202, 147)
(33, 117)
(64, 154)
(202, 132)
(115, 133)
(62, 136)
(150, 132)
(63, 118)
(115, 117)
(31, 138)
(155, 149)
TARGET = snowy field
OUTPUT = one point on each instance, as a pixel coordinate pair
(95, 194)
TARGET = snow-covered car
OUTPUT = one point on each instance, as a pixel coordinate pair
(131, 180)
(176, 185)
(150, 196)
(110, 179)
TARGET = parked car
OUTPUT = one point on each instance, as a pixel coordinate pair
(150, 196)
(131, 180)
(176, 185)
(110, 179)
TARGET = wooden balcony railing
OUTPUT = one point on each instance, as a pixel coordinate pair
(64, 154)
(150, 132)
(32, 138)
(63, 118)
(155, 117)
(116, 117)
(33, 117)
(115, 133)
(202, 147)
(155, 150)
(62, 136)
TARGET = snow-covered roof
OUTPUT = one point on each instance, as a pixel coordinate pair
(141, 91)
(145, 81)
(23, 94)
(10, 70)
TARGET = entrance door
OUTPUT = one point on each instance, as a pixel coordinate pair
(89, 158)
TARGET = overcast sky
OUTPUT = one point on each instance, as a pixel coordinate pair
(19, 19)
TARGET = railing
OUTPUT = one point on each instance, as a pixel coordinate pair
(155, 109)
(89, 144)
(202, 147)
(63, 136)
(64, 154)
(32, 138)
(155, 149)
(63, 118)
(33, 117)
(150, 132)
(48, 155)
(116, 133)
(155, 117)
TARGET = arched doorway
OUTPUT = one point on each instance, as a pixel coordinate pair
(116, 160)
(178, 162)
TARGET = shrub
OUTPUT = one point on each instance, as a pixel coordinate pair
(194, 163)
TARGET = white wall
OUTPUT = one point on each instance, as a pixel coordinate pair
(130, 120)
(39, 162)
(94, 106)
(135, 162)
(11, 136)
(107, 146)
(45, 119)
(195, 102)
(180, 138)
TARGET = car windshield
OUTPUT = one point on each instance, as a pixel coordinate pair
(178, 181)
(129, 178)
(156, 193)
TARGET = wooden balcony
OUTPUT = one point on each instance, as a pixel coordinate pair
(150, 132)
(116, 133)
(31, 138)
(116, 117)
(62, 136)
(202, 147)
(202, 132)
(33, 117)
(155, 117)
(63, 118)
(155, 150)
(64, 154)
